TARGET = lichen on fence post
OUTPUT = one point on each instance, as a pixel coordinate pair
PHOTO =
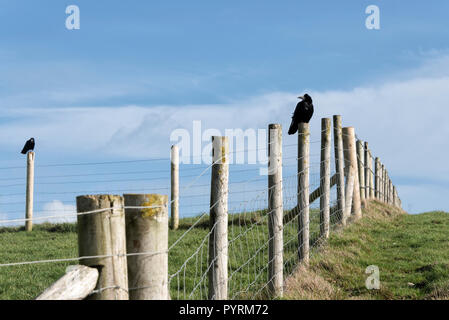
(147, 246)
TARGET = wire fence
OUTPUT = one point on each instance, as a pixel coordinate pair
(191, 264)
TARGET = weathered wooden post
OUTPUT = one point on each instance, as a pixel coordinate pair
(372, 191)
(339, 164)
(29, 192)
(387, 186)
(102, 233)
(367, 168)
(303, 191)
(275, 211)
(350, 178)
(395, 197)
(218, 238)
(384, 184)
(325, 177)
(349, 145)
(146, 217)
(377, 178)
(361, 168)
(174, 222)
(390, 192)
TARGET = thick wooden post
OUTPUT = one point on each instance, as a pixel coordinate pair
(102, 233)
(361, 168)
(218, 239)
(147, 246)
(325, 177)
(275, 211)
(349, 145)
(377, 178)
(339, 164)
(174, 222)
(29, 192)
(303, 191)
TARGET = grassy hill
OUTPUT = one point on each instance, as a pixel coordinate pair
(411, 251)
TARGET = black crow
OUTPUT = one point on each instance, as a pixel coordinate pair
(29, 146)
(303, 113)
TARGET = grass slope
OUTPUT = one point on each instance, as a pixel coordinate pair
(411, 251)
(248, 256)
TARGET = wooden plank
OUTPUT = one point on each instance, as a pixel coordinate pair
(76, 284)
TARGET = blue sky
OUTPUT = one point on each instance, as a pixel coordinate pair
(150, 67)
(148, 52)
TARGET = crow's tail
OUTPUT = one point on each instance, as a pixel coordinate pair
(293, 128)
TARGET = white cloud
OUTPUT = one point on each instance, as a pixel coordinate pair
(3, 217)
(404, 120)
(57, 212)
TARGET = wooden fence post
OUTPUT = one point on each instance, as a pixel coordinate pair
(29, 191)
(388, 187)
(218, 239)
(102, 233)
(390, 192)
(275, 211)
(303, 192)
(367, 170)
(339, 164)
(361, 167)
(384, 184)
(147, 246)
(381, 195)
(394, 197)
(174, 203)
(349, 144)
(372, 191)
(377, 178)
(325, 177)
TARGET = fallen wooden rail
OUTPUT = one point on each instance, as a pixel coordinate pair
(76, 284)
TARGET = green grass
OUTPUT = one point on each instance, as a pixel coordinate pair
(248, 256)
(407, 248)
(411, 251)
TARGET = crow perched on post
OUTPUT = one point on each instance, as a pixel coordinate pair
(29, 146)
(303, 113)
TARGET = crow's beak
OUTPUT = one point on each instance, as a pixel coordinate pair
(301, 97)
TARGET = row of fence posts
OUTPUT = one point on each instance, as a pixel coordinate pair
(126, 237)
